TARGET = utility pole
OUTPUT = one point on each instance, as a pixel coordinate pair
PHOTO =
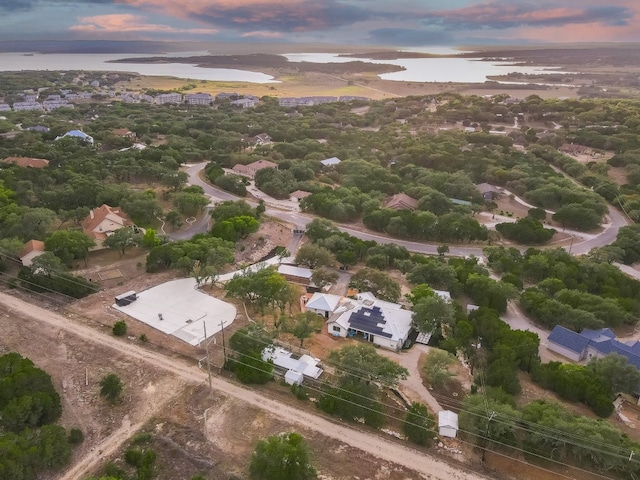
(224, 347)
(486, 434)
(206, 348)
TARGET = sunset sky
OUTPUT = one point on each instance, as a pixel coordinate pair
(387, 22)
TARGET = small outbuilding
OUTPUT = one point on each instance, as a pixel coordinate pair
(293, 378)
(447, 424)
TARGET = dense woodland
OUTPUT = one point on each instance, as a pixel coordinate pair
(30, 441)
(414, 145)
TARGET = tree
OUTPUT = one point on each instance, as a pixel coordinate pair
(436, 367)
(322, 277)
(175, 180)
(111, 387)
(119, 328)
(69, 245)
(47, 264)
(282, 457)
(363, 360)
(27, 396)
(190, 203)
(377, 282)
(526, 230)
(578, 216)
(419, 292)
(304, 325)
(442, 250)
(314, 256)
(173, 218)
(235, 228)
(616, 373)
(430, 313)
(419, 425)
(121, 239)
(320, 228)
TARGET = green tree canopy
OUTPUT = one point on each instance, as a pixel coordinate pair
(282, 457)
(363, 360)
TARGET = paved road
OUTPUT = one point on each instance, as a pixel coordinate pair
(300, 221)
(376, 445)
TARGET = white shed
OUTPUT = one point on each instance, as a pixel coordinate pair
(293, 377)
(447, 423)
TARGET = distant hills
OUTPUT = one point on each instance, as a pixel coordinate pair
(99, 46)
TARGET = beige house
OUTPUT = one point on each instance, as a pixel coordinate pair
(103, 221)
(27, 162)
(401, 201)
(31, 250)
(253, 168)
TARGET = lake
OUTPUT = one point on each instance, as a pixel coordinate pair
(98, 62)
(441, 70)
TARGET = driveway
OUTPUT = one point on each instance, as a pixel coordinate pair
(412, 387)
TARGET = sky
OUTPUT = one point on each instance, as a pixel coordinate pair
(408, 23)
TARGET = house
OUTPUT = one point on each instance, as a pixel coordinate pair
(227, 96)
(298, 195)
(27, 162)
(591, 343)
(283, 359)
(350, 98)
(323, 304)
(22, 106)
(5, 107)
(245, 102)
(261, 139)
(573, 149)
(488, 191)
(447, 423)
(198, 98)
(330, 162)
(401, 201)
(295, 274)
(38, 128)
(103, 221)
(383, 323)
(253, 168)
(165, 98)
(31, 250)
(77, 134)
(125, 133)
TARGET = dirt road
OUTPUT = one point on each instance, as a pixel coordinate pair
(430, 467)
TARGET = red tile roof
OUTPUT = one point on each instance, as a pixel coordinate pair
(27, 162)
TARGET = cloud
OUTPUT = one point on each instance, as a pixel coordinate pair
(125, 23)
(409, 37)
(27, 5)
(262, 15)
(500, 15)
(262, 34)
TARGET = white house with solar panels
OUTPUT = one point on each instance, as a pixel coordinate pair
(382, 323)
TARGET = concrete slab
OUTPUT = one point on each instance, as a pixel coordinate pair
(184, 309)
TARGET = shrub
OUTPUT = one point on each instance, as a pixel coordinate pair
(119, 328)
(76, 436)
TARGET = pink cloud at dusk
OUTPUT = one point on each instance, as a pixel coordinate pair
(262, 34)
(125, 22)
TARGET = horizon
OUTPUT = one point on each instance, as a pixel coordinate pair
(411, 23)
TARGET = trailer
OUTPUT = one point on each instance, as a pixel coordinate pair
(126, 298)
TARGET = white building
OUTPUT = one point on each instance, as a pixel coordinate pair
(447, 423)
(165, 98)
(77, 134)
(198, 98)
(330, 162)
(324, 304)
(281, 358)
(383, 323)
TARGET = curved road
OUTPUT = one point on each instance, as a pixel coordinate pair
(300, 221)
(377, 445)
